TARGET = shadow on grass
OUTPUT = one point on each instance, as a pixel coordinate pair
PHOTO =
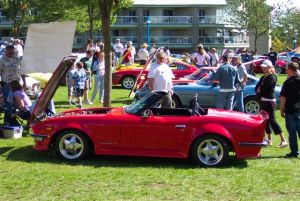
(28, 154)
(126, 102)
(65, 104)
(3, 150)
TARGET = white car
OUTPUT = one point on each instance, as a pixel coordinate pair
(32, 86)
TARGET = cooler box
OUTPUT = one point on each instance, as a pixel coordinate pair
(12, 131)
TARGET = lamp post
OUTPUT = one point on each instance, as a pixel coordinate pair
(294, 41)
(148, 30)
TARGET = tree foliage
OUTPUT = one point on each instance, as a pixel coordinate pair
(287, 27)
(252, 15)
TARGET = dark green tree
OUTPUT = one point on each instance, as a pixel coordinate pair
(16, 10)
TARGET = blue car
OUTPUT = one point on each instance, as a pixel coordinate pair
(207, 94)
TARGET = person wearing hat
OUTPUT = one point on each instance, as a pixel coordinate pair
(290, 107)
(239, 95)
(228, 78)
(265, 90)
(201, 58)
(143, 54)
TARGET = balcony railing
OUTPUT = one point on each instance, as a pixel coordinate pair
(216, 40)
(5, 20)
(80, 41)
(125, 39)
(215, 20)
(126, 20)
(170, 40)
(169, 19)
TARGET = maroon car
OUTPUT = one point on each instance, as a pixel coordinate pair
(128, 77)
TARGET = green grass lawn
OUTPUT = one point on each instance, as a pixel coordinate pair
(29, 175)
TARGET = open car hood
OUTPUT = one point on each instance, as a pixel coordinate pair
(39, 110)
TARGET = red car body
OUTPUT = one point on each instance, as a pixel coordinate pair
(144, 130)
(280, 65)
(127, 78)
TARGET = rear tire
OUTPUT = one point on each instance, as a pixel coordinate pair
(251, 105)
(210, 151)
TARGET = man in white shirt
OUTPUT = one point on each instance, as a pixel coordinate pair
(160, 79)
(18, 48)
(118, 49)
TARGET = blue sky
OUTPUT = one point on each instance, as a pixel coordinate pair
(293, 2)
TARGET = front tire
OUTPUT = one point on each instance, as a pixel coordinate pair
(210, 151)
(251, 105)
(72, 145)
(278, 70)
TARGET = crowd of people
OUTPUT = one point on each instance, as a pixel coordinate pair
(231, 76)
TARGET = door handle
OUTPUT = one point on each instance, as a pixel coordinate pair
(180, 126)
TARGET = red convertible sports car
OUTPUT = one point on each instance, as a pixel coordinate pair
(127, 78)
(144, 129)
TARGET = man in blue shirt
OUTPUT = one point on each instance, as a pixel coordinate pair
(228, 78)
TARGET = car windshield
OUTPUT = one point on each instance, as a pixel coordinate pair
(206, 80)
(143, 103)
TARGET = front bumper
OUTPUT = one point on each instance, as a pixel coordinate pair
(41, 142)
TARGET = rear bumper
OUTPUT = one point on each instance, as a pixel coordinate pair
(254, 144)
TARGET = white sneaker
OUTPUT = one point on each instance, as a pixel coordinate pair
(88, 102)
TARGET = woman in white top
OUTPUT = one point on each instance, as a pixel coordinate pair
(201, 58)
(99, 67)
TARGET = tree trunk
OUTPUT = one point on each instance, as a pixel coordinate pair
(91, 21)
(105, 15)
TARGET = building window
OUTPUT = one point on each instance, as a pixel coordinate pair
(201, 12)
(146, 12)
(167, 12)
(116, 33)
(202, 32)
(132, 12)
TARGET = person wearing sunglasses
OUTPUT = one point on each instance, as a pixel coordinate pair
(160, 79)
